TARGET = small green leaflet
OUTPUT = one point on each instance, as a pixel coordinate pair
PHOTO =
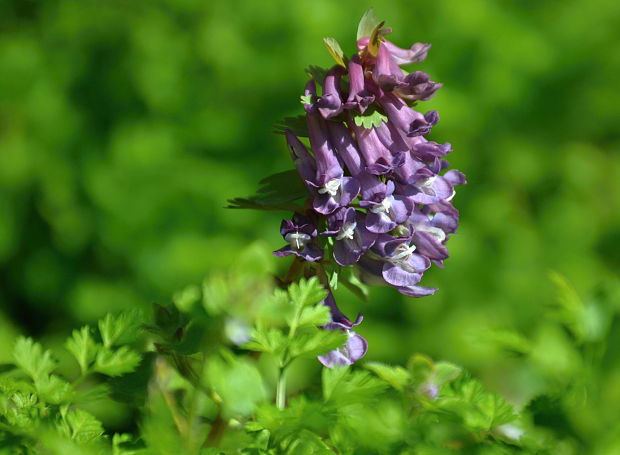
(367, 24)
(83, 426)
(369, 119)
(396, 376)
(116, 363)
(335, 50)
(315, 342)
(31, 358)
(306, 99)
(122, 328)
(307, 292)
(83, 347)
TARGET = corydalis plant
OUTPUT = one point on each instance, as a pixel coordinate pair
(378, 196)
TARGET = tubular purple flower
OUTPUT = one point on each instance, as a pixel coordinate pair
(330, 103)
(333, 189)
(402, 267)
(416, 53)
(350, 155)
(300, 235)
(427, 151)
(387, 74)
(301, 158)
(378, 158)
(386, 210)
(371, 273)
(356, 345)
(417, 86)
(351, 238)
(428, 239)
(359, 96)
(410, 122)
(445, 216)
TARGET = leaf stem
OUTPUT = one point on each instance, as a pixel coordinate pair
(281, 389)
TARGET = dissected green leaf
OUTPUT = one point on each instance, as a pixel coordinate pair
(267, 340)
(120, 328)
(313, 316)
(53, 389)
(116, 362)
(32, 359)
(238, 382)
(396, 376)
(307, 292)
(83, 426)
(312, 343)
(83, 348)
(478, 409)
(343, 386)
(369, 119)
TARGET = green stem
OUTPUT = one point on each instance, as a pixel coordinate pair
(281, 389)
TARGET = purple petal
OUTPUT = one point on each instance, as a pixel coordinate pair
(417, 86)
(416, 53)
(416, 291)
(387, 73)
(353, 350)
(330, 103)
(395, 275)
(359, 97)
(455, 177)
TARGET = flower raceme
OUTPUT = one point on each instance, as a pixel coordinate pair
(380, 195)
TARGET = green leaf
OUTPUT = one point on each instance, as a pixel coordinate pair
(336, 51)
(370, 118)
(187, 298)
(131, 388)
(331, 377)
(343, 387)
(31, 358)
(272, 341)
(118, 439)
(507, 339)
(396, 376)
(83, 426)
(307, 292)
(53, 389)
(83, 348)
(314, 316)
(120, 329)
(306, 99)
(367, 24)
(278, 192)
(445, 372)
(238, 382)
(116, 362)
(479, 410)
(315, 342)
(421, 367)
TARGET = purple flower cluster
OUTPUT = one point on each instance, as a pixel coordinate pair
(380, 193)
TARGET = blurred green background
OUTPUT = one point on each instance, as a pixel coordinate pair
(125, 126)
